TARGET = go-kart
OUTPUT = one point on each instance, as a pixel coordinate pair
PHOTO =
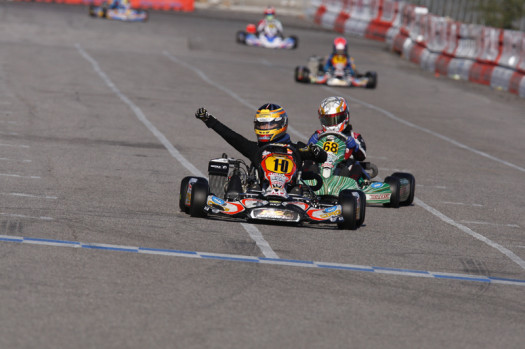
(267, 39)
(273, 190)
(126, 14)
(315, 73)
(396, 190)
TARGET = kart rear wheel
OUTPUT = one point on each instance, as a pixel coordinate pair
(240, 37)
(199, 196)
(395, 187)
(412, 183)
(348, 203)
(372, 79)
(362, 207)
(302, 74)
(182, 195)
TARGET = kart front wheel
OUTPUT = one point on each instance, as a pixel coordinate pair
(348, 203)
(240, 37)
(199, 197)
(395, 189)
(412, 186)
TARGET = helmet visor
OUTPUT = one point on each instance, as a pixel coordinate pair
(333, 119)
(269, 125)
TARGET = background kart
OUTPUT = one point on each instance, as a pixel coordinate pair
(121, 14)
(274, 191)
(314, 73)
(251, 38)
(397, 189)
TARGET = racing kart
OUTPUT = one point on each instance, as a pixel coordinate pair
(314, 73)
(267, 39)
(397, 189)
(126, 14)
(274, 190)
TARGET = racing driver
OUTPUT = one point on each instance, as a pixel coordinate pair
(335, 117)
(340, 56)
(270, 126)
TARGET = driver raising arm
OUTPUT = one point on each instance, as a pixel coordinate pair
(335, 117)
(270, 125)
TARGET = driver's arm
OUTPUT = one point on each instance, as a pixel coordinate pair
(240, 143)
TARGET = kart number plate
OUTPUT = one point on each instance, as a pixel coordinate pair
(330, 147)
(279, 164)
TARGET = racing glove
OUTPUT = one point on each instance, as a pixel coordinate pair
(318, 153)
(202, 114)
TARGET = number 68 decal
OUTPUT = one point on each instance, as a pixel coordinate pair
(331, 147)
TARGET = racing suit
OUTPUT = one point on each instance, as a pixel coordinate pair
(250, 148)
(270, 27)
(355, 151)
(336, 58)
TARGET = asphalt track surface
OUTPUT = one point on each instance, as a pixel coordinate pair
(97, 130)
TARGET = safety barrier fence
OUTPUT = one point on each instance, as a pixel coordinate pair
(480, 54)
(165, 5)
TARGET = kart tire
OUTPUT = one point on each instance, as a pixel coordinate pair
(412, 182)
(92, 10)
(295, 41)
(395, 187)
(182, 195)
(240, 37)
(372, 79)
(362, 197)
(302, 74)
(348, 203)
(199, 196)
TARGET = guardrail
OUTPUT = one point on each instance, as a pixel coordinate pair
(480, 54)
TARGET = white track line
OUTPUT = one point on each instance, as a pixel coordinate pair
(15, 160)
(14, 145)
(432, 210)
(253, 232)
(30, 196)
(18, 176)
(222, 88)
(24, 216)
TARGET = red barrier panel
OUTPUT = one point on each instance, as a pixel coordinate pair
(452, 38)
(319, 14)
(387, 13)
(489, 44)
(167, 5)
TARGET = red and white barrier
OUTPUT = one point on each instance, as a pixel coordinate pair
(483, 55)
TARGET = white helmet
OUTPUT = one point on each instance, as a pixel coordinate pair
(334, 114)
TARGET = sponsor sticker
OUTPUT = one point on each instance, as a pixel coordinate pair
(376, 185)
(217, 200)
(330, 209)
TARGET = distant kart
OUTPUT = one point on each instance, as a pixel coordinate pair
(397, 189)
(273, 191)
(251, 38)
(314, 73)
(120, 14)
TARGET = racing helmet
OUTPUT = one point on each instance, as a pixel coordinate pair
(269, 13)
(340, 45)
(271, 122)
(334, 114)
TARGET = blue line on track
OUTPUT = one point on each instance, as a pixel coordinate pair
(264, 260)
